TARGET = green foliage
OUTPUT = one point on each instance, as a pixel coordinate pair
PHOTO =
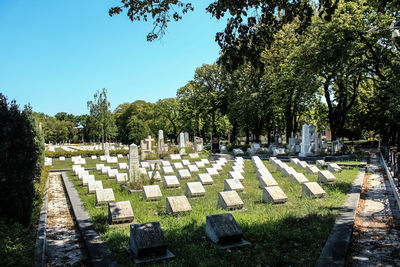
(21, 147)
(84, 153)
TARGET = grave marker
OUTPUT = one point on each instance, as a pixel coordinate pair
(205, 178)
(178, 204)
(274, 194)
(152, 192)
(233, 185)
(119, 212)
(313, 189)
(194, 189)
(184, 174)
(171, 181)
(229, 200)
(104, 196)
(326, 177)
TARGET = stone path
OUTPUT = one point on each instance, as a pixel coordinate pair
(63, 244)
(376, 235)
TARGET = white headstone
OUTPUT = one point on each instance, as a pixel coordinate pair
(152, 192)
(171, 181)
(205, 178)
(194, 189)
(233, 185)
(178, 204)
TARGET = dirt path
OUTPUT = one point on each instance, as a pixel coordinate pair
(63, 244)
(376, 235)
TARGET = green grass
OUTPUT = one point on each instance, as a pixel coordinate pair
(287, 234)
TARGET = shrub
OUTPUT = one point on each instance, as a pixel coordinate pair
(21, 149)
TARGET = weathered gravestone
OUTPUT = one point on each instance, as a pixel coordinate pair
(165, 163)
(193, 168)
(266, 180)
(184, 174)
(200, 164)
(302, 165)
(198, 144)
(294, 161)
(194, 189)
(152, 192)
(333, 167)
(312, 169)
(313, 189)
(133, 163)
(103, 196)
(122, 166)
(107, 150)
(61, 158)
(229, 200)
(167, 170)
(178, 165)
(171, 181)
(298, 178)
(178, 204)
(235, 175)
(238, 169)
(104, 169)
(233, 185)
(287, 171)
(93, 186)
(320, 163)
(86, 179)
(121, 178)
(215, 144)
(205, 179)
(120, 212)
(216, 166)
(274, 194)
(212, 171)
(186, 162)
(223, 230)
(326, 177)
(205, 161)
(147, 242)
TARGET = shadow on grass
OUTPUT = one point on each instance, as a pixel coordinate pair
(342, 187)
(100, 223)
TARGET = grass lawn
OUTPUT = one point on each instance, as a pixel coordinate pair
(293, 233)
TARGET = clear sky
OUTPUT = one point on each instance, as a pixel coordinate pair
(56, 54)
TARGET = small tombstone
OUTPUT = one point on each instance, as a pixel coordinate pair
(313, 189)
(193, 168)
(121, 178)
(205, 161)
(195, 189)
(112, 173)
(326, 177)
(298, 178)
(168, 170)
(147, 242)
(152, 192)
(287, 171)
(171, 181)
(233, 185)
(184, 174)
(302, 165)
(122, 166)
(193, 155)
(74, 167)
(175, 157)
(186, 162)
(119, 212)
(320, 163)
(99, 166)
(212, 171)
(93, 157)
(165, 163)
(61, 158)
(237, 169)
(81, 173)
(229, 200)
(93, 186)
(103, 158)
(145, 164)
(294, 161)
(274, 194)
(312, 169)
(178, 165)
(200, 164)
(235, 175)
(281, 165)
(178, 204)
(112, 160)
(155, 175)
(120, 156)
(104, 196)
(86, 179)
(104, 169)
(271, 159)
(223, 230)
(205, 178)
(333, 167)
(266, 180)
(217, 166)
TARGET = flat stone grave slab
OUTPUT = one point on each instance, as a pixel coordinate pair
(313, 189)
(217, 166)
(103, 158)
(205, 178)
(281, 165)
(175, 157)
(120, 212)
(205, 161)
(61, 158)
(81, 173)
(112, 173)
(267, 180)
(294, 161)
(112, 160)
(298, 178)
(145, 164)
(77, 170)
(80, 161)
(274, 194)
(235, 175)
(302, 165)
(193, 155)
(186, 162)
(193, 168)
(233, 185)
(105, 195)
(262, 172)
(237, 169)
(147, 243)
(86, 179)
(184, 174)
(220, 162)
(74, 167)
(99, 166)
(152, 192)
(320, 163)
(200, 164)
(229, 200)
(333, 167)
(178, 204)
(171, 181)
(178, 165)
(287, 171)
(165, 163)
(93, 186)
(212, 171)
(93, 157)
(120, 156)
(271, 159)
(194, 189)
(223, 160)
(326, 177)
(312, 169)
(168, 170)
(122, 166)
(121, 178)
(223, 230)
(156, 177)
(104, 169)
(238, 164)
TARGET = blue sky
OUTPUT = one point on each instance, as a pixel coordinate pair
(56, 54)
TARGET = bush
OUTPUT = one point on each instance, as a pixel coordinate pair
(21, 148)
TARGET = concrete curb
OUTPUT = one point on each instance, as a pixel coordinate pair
(40, 244)
(98, 252)
(335, 250)
(390, 178)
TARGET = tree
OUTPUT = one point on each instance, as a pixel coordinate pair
(102, 120)
(168, 111)
(22, 150)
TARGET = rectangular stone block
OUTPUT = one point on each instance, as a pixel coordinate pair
(122, 166)
(222, 229)
(86, 179)
(313, 189)
(186, 162)
(274, 194)
(81, 173)
(103, 158)
(235, 175)
(119, 212)
(104, 169)
(99, 166)
(272, 159)
(112, 160)
(167, 170)
(229, 200)
(171, 181)
(205, 178)
(294, 161)
(145, 164)
(287, 171)
(152, 192)
(112, 173)
(205, 161)
(61, 158)
(93, 186)
(93, 157)
(193, 168)
(194, 189)
(147, 240)
(320, 163)
(193, 155)
(298, 178)
(312, 169)
(121, 178)
(178, 204)
(178, 165)
(217, 166)
(267, 180)
(237, 169)
(103, 196)
(155, 175)
(74, 167)
(333, 167)
(302, 165)
(233, 185)
(165, 163)
(175, 157)
(184, 174)
(212, 171)
(326, 177)
(200, 164)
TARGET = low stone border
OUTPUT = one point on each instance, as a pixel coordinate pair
(335, 250)
(390, 178)
(40, 244)
(98, 252)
